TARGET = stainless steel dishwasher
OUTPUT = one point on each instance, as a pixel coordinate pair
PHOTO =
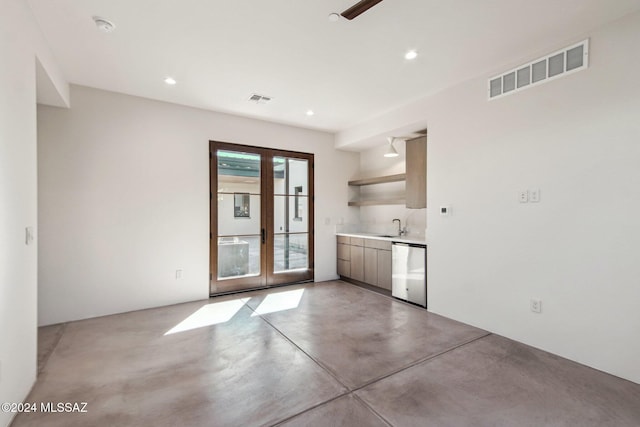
(409, 272)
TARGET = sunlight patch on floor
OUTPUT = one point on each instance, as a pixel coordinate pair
(208, 315)
(279, 302)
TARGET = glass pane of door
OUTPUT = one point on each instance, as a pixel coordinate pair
(239, 219)
(291, 214)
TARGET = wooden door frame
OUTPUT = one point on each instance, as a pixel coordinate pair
(275, 279)
(238, 284)
(267, 277)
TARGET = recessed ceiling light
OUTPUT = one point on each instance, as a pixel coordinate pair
(412, 54)
(310, 113)
(170, 81)
(334, 17)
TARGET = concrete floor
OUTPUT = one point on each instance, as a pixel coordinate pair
(329, 354)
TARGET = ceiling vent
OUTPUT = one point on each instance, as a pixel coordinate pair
(259, 99)
(558, 64)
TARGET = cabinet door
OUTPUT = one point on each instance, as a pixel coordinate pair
(344, 252)
(416, 186)
(357, 263)
(344, 268)
(384, 269)
(371, 266)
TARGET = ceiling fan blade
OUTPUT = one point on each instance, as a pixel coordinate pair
(359, 8)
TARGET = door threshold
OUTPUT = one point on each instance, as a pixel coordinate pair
(260, 288)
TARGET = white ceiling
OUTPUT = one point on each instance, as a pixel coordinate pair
(221, 52)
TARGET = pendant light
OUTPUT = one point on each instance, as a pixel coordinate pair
(391, 151)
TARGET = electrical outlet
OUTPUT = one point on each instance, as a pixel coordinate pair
(534, 195)
(536, 305)
(523, 196)
(178, 274)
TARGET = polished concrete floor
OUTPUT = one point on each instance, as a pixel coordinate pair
(329, 354)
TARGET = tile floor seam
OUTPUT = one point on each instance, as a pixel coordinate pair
(359, 399)
(324, 368)
(356, 388)
(311, 408)
(313, 359)
(419, 361)
(349, 389)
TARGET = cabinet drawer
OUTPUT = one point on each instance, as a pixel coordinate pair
(357, 241)
(345, 240)
(377, 244)
(344, 252)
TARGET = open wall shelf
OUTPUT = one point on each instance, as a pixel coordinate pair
(378, 180)
(378, 202)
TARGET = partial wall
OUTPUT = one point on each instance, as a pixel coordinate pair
(20, 44)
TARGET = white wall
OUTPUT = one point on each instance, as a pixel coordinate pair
(20, 45)
(124, 200)
(577, 139)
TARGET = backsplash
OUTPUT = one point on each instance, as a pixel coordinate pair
(379, 220)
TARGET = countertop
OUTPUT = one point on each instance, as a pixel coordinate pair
(376, 236)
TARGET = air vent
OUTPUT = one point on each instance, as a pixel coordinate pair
(259, 99)
(558, 64)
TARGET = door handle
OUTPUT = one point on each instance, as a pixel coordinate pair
(264, 236)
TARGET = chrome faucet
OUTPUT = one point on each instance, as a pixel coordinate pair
(401, 230)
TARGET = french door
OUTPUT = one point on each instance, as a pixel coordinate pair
(261, 217)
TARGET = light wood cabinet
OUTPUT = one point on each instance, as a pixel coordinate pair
(371, 266)
(344, 256)
(416, 185)
(378, 244)
(344, 251)
(365, 260)
(357, 263)
(384, 269)
(344, 268)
